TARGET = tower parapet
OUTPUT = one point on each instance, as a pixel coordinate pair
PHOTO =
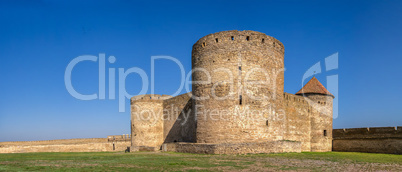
(226, 38)
(147, 97)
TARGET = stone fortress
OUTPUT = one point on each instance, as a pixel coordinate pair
(237, 106)
(237, 103)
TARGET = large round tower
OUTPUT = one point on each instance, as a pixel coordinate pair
(237, 87)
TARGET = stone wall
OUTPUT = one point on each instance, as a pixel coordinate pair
(65, 145)
(372, 140)
(309, 120)
(234, 148)
(52, 142)
(298, 120)
(146, 120)
(124, 137)
(321, 122)
(179, 122)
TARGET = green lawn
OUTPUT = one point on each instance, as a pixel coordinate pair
(157, 161)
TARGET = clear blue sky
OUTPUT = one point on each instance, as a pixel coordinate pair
(39, 38)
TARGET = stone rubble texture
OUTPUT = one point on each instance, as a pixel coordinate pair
(371, 140)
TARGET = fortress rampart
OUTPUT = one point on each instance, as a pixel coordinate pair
(179, 119)
(49, 142)
(298, 123)
(237, 102)
(372, 140)
(309, 121)
(146, 119)
(66, 145)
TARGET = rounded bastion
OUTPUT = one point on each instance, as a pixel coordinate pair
(236, 75)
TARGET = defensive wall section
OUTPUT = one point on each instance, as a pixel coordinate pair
(298, 124)
(146, 120)
(158, 119)
(179, 123)
(66, 145)
(309, 121)
(371, 140)
(124, 137)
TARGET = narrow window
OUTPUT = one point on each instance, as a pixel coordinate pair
(263, 40)
(240, 68)
(266, 123)
(216, 40)
(325, 132)
(247, 38)
(232, 38)
(274, 44)
(203, 44)
(240, 100)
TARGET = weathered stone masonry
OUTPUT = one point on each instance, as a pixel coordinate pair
(228, 68)
(372, 140)
(112, 143)
(292, 122)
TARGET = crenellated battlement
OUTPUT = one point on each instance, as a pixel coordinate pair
(124, 137)
(234, 37)
(150, 98)
(295, 98)
(305, 101)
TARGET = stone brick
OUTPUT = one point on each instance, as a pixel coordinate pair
(371, 140)
(65, 145)
(241, 74)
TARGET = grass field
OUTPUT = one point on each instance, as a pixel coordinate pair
(161, 161)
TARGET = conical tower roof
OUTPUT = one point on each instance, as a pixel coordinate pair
(314, 87)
